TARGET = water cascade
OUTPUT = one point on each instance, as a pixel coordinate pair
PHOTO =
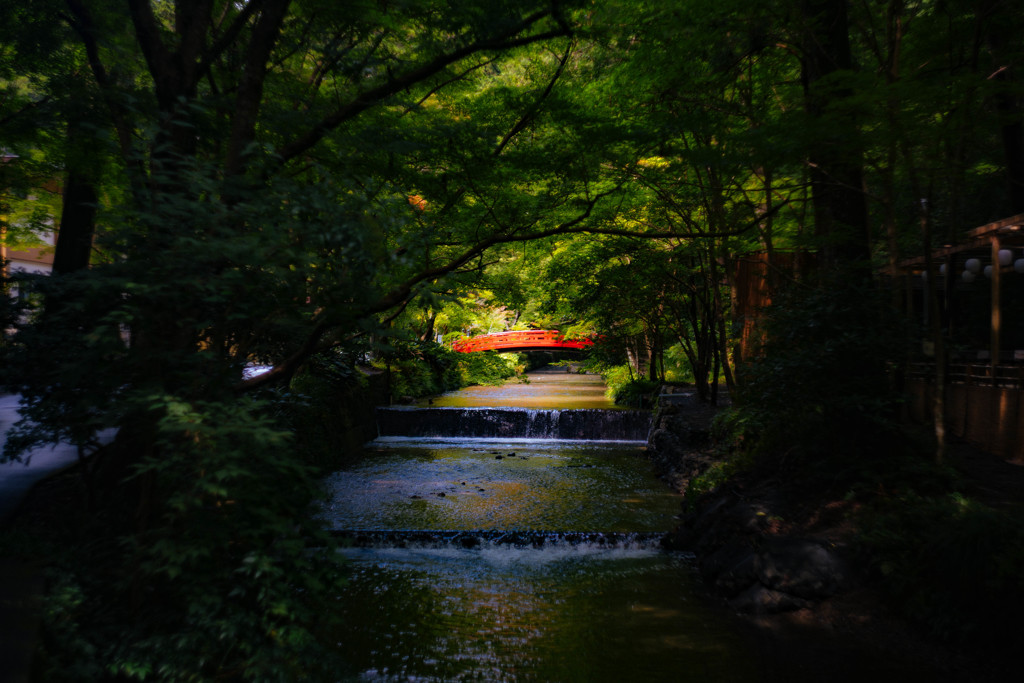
(518, 541)
(529, 423)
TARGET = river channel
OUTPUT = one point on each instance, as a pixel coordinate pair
(511, 534)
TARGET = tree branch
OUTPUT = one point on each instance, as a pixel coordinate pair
(82, 23)
(157, 55)
(504, 41)
(214, 51)
(250, 89)
(532, 112)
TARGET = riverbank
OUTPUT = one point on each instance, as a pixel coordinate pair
(849, 633)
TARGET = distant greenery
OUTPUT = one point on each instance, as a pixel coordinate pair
(417, 369)
(488, 367)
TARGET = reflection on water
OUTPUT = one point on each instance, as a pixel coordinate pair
(493, 611)
(501, 485)
(554, 388)
(578, 614)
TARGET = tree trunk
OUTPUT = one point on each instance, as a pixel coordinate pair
(1001, 32)
(77, 224)
(428, 333)
(840, 208)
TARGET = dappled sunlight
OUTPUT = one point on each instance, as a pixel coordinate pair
(445, 584)
(548, 390)
(511, 487)
(453, 614)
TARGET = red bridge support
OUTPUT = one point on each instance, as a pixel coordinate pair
(524, 340)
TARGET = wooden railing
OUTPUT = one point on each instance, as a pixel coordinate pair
(974, 374)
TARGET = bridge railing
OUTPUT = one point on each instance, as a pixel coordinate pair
(518, 340)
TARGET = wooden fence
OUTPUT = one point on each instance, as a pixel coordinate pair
(984, 410)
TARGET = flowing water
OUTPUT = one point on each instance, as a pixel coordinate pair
(519, 543)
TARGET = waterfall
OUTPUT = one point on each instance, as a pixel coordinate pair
(515, 423)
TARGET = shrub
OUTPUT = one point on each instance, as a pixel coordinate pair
(418, 369)
(207, 565)
(329, 409)
(819, 388)
(949, 563)
(488, 367)
(625, 388)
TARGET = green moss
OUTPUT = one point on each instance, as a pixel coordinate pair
(714, 476)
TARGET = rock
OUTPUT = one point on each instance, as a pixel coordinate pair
(730, 532)
(761, 600)
(722, 522)
(664, 441)
(803, 567)
(730, 569)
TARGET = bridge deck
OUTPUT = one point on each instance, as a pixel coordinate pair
(523, 340)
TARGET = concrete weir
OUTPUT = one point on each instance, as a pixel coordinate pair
(527, 423)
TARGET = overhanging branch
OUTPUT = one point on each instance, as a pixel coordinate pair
(508, 39)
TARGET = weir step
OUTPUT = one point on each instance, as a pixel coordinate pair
(577, 424)
(431, 538)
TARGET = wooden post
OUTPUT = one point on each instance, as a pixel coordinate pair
(996, 309)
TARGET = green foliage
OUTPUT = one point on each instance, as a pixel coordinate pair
(714, 476)
(68, 364)
(819, 392)
(68, 652)
(280, 192)
(488, 367)
(228, 580)
(628, 390)
(616, 377)
(328, 409)
(948, 562)
(417, 369)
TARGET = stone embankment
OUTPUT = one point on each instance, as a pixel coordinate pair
(741, 550)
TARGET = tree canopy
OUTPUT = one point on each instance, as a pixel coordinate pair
(280, 181)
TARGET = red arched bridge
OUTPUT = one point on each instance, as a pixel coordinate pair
(523, 340)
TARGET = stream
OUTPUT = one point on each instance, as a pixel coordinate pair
(512, 533)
